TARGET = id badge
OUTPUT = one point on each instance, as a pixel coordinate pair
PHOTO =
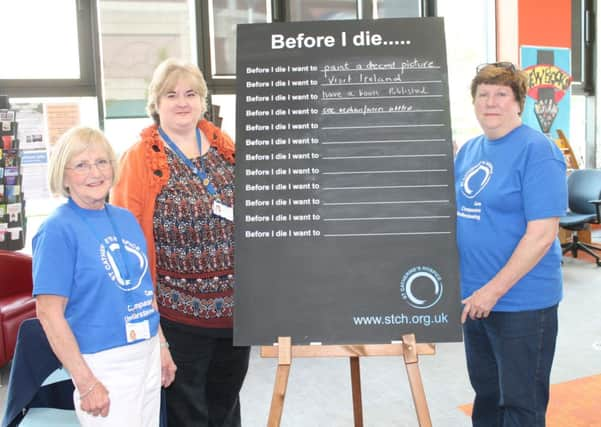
(223, 210)
(137, 331)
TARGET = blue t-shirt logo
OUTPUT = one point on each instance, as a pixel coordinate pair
(110, 254)
(476, 179)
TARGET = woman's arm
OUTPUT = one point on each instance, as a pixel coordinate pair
(538, 238)
(94, 397)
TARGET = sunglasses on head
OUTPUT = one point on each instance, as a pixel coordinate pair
(504, 65)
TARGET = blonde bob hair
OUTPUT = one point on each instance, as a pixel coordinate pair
(72, 143)
(164, 79)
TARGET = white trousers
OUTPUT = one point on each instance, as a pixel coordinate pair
(132, 376)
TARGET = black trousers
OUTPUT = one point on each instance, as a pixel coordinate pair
(210, 373)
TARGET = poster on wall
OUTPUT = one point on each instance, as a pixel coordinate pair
(33, 139)
(32, 127)
(60, 118)
(34, 167)
(39, 126)
(547, 105)
(345, 206)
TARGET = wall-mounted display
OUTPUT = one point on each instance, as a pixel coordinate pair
(12, 202)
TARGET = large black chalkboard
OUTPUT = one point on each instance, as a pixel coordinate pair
(345, 207)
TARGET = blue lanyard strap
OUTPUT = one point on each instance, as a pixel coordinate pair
(119, 243)
(123, 267)
(199, 172)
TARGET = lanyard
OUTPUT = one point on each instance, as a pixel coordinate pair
(121, 249)
(199, 172)
(123, 267)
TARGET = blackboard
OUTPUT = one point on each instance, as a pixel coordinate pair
(345, 206)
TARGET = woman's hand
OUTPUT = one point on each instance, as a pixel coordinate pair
(95, 399)
(168, 367)
(479, 304)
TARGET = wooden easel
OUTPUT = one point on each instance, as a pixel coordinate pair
(409, 349)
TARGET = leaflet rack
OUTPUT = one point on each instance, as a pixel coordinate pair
(12, 202)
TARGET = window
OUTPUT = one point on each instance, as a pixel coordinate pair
(583, 46)
(217, 21)
(322, 10)
(43, 59)
(467, 46)
(583, 108)
(398, 9)
(223, 19)
(136, 36)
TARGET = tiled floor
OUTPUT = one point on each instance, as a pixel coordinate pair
(319, 389)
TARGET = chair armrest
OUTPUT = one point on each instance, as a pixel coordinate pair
(597, 204)
(15, 273)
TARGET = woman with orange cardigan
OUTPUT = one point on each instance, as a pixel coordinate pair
(178, 180)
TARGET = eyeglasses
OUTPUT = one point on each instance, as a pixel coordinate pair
(504, 65)
(84, 168)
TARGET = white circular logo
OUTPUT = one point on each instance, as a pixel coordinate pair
(421, 287)
(475, 179)
(109, 257)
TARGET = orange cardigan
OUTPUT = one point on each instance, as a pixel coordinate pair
(143, 172)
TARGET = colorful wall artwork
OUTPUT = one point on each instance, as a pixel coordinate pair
(547, 105)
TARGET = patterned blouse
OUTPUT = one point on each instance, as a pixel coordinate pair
(195, 247)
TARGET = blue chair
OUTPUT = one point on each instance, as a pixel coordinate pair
(40, 393)
(584, 201)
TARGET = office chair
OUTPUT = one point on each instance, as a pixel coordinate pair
(584, 194)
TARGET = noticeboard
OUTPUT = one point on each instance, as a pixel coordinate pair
(345, 206)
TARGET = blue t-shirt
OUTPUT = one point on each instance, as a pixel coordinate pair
(76, 255)
(501, 185)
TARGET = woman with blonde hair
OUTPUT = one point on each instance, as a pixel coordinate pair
(94, 292)
(178, 180)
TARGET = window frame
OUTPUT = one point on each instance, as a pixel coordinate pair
(217, 84)
(583, 47)
(89, 61)
(280, 12)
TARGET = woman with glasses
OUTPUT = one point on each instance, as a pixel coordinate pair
(178, 180)
(94, 291)
(511, 190)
